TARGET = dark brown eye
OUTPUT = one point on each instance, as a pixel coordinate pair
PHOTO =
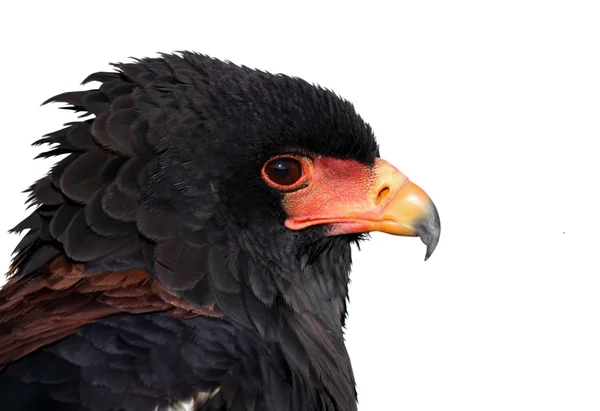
(284, 171)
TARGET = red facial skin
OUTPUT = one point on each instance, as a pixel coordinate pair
(351, 197)
(335, 188)
(346, 196)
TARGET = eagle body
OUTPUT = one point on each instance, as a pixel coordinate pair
(192, 244)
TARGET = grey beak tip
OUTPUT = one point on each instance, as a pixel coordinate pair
(429, 229)
(428, 253)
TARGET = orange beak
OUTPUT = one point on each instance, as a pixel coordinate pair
(360, 199)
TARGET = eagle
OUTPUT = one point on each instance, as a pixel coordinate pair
(191, 247)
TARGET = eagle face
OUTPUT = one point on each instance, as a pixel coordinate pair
(204, 189)
(290, 166)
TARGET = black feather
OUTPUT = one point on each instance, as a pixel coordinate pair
(139, 143)
(179, 266)
(74, 98)
(156, 221)
(95, 102)
(43, 192)
(127, 178)
(42, 255)
(102, 224)
(79, 181)
(109, 170)
(82, 244)
(33, 221)
(122, 102)
(101, 76)
(118, 127)
(61, 220)
(119, 205)
(79, 135)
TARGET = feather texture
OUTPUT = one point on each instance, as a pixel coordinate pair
(36, 311)
(156, 220)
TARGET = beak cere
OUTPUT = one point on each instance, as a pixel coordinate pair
(349, 197)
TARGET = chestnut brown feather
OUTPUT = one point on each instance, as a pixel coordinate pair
(39, 310)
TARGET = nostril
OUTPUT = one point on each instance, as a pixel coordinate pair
(382, 194)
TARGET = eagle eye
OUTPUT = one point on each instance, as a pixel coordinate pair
(284, 172)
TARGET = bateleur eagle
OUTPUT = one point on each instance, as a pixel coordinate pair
(192, 245)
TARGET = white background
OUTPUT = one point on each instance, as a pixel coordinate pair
(492, 107)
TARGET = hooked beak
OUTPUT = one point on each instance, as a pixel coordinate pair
(388, 202)
(410, 213)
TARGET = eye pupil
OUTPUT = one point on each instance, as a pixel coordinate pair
(284, 171)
